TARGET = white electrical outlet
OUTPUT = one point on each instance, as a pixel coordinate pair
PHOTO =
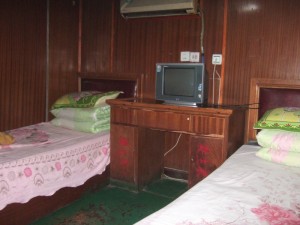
(184, 56)
(195, 57)
(217, 59)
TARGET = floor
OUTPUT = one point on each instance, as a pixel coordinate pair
(116, 206)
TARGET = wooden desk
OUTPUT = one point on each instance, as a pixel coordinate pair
(138, 127)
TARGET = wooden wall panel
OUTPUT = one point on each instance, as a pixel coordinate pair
(23, 58)
(213, 39)
(112, 44)
(22, 62)
(263, 41)
(97, 25)
(63, 48)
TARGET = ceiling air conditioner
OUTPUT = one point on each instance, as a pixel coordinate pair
(154, 8)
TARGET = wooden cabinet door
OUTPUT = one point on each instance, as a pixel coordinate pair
(136, 155)
(123, 153)
(206, 154)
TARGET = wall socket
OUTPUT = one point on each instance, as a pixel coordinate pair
(190, 56)
(216, 59)
(195, 57)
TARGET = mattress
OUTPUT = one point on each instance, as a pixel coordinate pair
(244, 190)
(46, 158)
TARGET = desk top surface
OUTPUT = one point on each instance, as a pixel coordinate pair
(152, 104)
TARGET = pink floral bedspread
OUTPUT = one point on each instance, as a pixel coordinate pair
(46, 158)
(245, 190)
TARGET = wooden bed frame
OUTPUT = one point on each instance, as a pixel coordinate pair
(267, 94)
(18, 214)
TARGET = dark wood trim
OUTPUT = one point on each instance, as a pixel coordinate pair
(256, 85)
(175, 173)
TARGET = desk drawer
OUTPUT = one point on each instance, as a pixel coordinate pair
(123, 115)
(163, 120)
(208, 125)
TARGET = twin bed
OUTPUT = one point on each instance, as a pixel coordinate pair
(246, 189)
(49, 166)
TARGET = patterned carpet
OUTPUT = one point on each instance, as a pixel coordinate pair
(116, 206)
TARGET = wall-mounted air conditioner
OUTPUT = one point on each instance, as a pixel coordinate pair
(154, 8)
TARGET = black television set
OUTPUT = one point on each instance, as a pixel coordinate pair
(181, 83)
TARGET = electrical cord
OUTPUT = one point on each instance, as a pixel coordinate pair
(246, 106)
(219, 78)
(174, 145)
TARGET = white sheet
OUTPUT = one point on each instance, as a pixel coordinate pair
(245, 190)
(46, 158)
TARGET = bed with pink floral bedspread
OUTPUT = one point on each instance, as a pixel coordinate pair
(249, 188)
(46, 158)
(245, 190)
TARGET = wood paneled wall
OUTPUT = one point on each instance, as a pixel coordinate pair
(97, 36)
(263, 41)
(22, 62)
(63, 48)
(27, 58)
(119, 46)
(260, 37)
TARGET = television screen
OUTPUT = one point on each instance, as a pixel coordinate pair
(179, 81)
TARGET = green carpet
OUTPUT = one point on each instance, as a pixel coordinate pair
(116, 206)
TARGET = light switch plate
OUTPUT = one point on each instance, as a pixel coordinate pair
(184, 56)
(217, 59)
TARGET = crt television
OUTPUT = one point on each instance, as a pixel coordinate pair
(181, 83)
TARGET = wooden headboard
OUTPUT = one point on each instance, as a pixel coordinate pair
(131, 87)
(266, 94)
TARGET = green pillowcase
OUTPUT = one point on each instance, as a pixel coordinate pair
(83, 114)
(89, 127)
(84, 99)
(285, 118)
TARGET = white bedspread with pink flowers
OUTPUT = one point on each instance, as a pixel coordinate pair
(46, 158)
(245, 190)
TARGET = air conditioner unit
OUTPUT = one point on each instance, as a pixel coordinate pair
(154, 8)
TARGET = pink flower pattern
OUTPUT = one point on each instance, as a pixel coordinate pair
(44, 170)
(27, 172)
(58, 166)
(283, 141)
(29, 135)
(276, 215)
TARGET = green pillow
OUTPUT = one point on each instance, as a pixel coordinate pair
(90, 127)
(285, 118)
(84, 99)
(83, 114)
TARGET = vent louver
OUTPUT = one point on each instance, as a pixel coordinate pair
(155, 8)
